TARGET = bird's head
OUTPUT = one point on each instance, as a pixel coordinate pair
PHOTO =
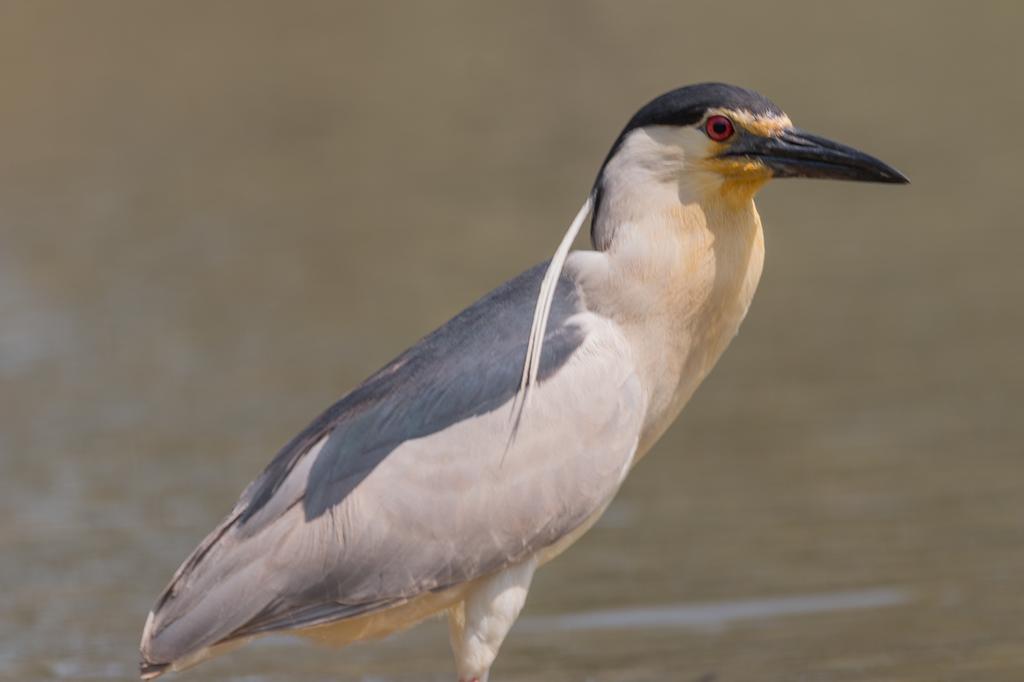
(719, 141)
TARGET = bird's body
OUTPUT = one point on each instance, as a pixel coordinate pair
(427, 490)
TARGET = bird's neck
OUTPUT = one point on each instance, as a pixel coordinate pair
(677, 273)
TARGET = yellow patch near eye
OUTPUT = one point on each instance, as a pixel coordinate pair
(765, 126)
(741, 177)
(738, 167)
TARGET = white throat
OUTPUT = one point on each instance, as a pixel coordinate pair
(677, 266)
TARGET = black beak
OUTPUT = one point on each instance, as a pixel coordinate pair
(797, 154)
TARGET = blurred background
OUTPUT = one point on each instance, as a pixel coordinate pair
(216, 218)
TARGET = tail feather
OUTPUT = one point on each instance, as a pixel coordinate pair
(213, 594)
(149, 671)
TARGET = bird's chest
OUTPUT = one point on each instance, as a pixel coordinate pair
(683, 294)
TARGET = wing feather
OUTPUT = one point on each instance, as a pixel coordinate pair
(409, 484)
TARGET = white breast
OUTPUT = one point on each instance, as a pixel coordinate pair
(678, 285)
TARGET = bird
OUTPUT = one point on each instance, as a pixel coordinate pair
(441, 483)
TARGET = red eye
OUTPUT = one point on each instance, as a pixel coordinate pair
(719, 128)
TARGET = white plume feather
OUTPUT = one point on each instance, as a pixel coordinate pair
(541, 312)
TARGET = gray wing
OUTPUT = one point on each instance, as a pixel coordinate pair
(409, 485)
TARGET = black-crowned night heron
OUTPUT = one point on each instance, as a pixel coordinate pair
(445, 479)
